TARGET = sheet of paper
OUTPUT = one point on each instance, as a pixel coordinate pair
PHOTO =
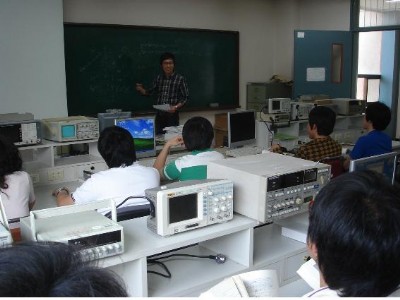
(261, 283)
(315, 74)
(310, 273)
(226, 288)
(163, 107)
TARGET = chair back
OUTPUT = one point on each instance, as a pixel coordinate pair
(385, 164)
(336, 163)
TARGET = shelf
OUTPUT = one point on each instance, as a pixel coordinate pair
(269, 245)
(141, 241)
(32, 166)
(77, 159)
(190, 274)
(66, 143)
(232, 238)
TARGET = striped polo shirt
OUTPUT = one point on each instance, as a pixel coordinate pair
(191, 166)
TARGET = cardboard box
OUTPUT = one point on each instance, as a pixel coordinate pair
(221, 122)
(220, 138)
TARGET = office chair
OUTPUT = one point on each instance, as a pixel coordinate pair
(336, 163)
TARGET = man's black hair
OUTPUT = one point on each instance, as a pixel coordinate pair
(10, 160)
(116, 147)
(197, 134)
(324, 118)
(354, 223)
(379, 115)
(167, 55)
(50, 269)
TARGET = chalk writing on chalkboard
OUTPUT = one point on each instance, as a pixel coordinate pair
(103, 63)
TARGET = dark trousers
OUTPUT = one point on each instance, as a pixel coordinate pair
(165, 119)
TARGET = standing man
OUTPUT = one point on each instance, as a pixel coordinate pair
(171, 88)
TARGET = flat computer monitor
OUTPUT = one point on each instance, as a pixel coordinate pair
(241, 128)
(107, 119)
(142, 130)
(384, 164)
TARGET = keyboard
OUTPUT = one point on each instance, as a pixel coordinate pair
(244, 151)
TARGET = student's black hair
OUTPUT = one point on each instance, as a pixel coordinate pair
(324, 118)
(197, 134)
(10, 160)
(50, 269)
(354, 223)
(379, 115)
(167, 55)
(116, 146)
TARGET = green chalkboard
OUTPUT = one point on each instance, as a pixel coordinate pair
(103, 63)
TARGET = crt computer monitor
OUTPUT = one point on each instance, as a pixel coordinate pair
(107, 119)
(142, 130)
(241, 128)
(384, 164)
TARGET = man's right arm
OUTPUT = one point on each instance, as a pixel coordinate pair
(159, 163)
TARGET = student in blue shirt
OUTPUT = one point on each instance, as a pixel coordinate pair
(377, 118)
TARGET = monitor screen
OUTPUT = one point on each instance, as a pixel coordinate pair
(384, 164)
(107, 119)
(68, 131)
(143, 133)
(241, 128)
(182, 208)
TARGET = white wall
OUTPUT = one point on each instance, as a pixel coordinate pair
(34, 28)
(32, 72)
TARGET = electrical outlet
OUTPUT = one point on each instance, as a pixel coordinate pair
(55, 175)
(35, 178)
(50, 175)
(59, 174)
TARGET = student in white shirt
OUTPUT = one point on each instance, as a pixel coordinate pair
(354, 236)
(15, 185)
(124, 178)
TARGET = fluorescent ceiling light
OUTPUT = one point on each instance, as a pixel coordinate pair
(392, 0)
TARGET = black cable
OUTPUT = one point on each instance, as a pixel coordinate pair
(219, 258)
(132, 197)
(266, 123)
(168, 275)
(108, 215)
(184, 255)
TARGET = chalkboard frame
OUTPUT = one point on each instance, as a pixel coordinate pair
(233, 103)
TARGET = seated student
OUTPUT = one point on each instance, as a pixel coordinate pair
(197, 136)
(353, 235)
(124, 177)
(15, 185)
(321, 121)
(377, 118)
(50, 269)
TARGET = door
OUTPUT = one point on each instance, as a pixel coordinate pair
(322, 63)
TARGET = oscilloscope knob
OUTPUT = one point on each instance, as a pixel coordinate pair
(299, 200)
